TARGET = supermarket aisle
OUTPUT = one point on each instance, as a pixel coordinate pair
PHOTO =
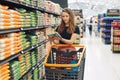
(101, 63)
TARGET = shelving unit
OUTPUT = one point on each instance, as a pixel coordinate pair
(17, 4)
(106, 29)
(116, 36)
(112, 14)
(28, 37)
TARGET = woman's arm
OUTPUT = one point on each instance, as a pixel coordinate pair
(73, 38)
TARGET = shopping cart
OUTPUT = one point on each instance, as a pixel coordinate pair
(61, 64)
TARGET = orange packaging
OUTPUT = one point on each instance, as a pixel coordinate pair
(4, 46)
(13, 35)
(15, 23)
(15, 52)
(4, 65)
(15, 16)
(5, 77)
(4, 12)
(5, 20)
(4, 16)
(14, 38)
(14, 12)
(4, 24)
(16, 42)
(5, 41)
(4, 27)
(5, 49)
(18, 26)
(16, 20)
(3, 7)
(6, 71)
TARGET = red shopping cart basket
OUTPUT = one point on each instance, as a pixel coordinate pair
(65, 62)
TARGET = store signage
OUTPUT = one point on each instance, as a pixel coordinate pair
(113, 12)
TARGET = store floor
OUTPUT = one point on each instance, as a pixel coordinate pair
(101, 63)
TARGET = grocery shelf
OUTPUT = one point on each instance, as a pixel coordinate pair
(115, 27)
(22, 52)
(26, 6)
(111, 18)
(23, 29)
(9, 58)
(116, 35)
(31, 28)
(106, 37)
(32, 68)
(9, 31)
(106, 31)
(107, 25)
(116, 43)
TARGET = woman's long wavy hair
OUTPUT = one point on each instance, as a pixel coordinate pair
(71, 27)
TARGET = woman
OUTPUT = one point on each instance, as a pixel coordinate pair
(67, 28)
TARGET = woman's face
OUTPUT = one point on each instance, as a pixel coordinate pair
(65, 17)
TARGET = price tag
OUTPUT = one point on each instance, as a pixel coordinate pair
(21, 28)
(37, 44)
(22, 52)
(32, 47)
(33, 7)
(26, 4)
(37, 27)
(33, 68)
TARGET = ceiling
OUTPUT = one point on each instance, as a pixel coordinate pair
(93, 7)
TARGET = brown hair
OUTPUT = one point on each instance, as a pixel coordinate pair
(71, 27)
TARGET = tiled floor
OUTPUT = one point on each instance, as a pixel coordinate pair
(101, 63)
